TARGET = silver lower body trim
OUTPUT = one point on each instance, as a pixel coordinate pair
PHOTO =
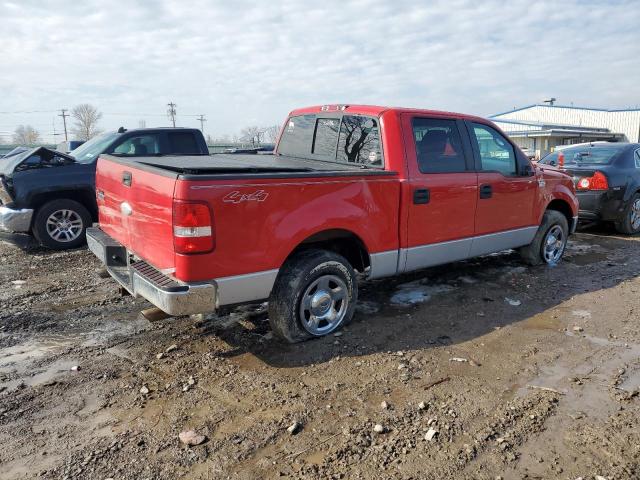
(384, 264)
(245, 288)
(496, 242)
(573, 226)
(15, 221)
(389, 263)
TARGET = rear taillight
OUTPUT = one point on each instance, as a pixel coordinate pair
(597, 182)
(192, 227)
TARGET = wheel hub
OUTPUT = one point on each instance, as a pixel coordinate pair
(320, 303)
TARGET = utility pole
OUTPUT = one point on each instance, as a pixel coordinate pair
(172, 113)
(64, 115)
(202, 120)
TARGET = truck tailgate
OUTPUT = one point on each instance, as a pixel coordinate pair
(139, 218)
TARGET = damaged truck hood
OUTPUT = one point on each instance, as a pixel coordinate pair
(9, 164)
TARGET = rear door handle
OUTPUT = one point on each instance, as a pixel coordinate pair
(421, 196)
(486, 191)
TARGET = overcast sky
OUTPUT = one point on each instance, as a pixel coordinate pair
(243, 63)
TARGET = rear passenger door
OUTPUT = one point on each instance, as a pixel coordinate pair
(443, 191)
(506, 193)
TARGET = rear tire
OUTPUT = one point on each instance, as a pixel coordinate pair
(61, 224)
(314, 295)
(630, 223)
(550, 240)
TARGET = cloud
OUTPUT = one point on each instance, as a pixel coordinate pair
(246, 62)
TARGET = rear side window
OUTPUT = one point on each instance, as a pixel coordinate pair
(183, 143)
(636, 157)
(438, 146)
(359, 141)
(297, 136)
(496, 153)
(139, 145)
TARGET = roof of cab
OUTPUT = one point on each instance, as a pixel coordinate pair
(379, 110)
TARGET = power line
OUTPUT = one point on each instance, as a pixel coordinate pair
(202, 120)
(172, 112)
(64, 116)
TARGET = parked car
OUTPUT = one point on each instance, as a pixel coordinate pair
(51, 195)
(69, 145)
(376, 190)
(607, 180)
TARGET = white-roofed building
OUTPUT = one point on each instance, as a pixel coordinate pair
(540, 128)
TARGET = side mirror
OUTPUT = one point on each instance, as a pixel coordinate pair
(528, 170)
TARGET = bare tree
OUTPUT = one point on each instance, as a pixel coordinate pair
(361, 137)
(86, 119)
(26, 135)
(252, 135)
(271, 133)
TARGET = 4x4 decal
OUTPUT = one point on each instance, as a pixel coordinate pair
(237, 197)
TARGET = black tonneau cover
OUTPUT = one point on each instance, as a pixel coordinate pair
(221, 163)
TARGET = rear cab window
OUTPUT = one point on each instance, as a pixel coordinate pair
(340, 138)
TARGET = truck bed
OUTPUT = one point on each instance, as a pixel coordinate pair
(226, 165)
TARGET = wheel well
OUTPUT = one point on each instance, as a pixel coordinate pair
(342, 242)
(83, 197)
(562, 207)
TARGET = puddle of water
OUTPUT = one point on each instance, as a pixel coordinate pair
(414, 292)
(588, 258)
(592, 396)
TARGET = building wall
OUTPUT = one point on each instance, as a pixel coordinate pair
(626, 122)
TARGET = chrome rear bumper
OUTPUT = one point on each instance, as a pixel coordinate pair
(141, 279)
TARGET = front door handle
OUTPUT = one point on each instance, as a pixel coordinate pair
(486, 191)
(421, 196)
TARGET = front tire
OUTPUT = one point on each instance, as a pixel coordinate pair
(315, 294)
(550, 240)
(630, 224)
(61, 224)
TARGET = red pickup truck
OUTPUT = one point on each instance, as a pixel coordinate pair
(374, 190)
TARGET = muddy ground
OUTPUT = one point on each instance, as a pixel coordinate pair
(511, 371)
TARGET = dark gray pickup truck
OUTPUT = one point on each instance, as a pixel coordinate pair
(51, 195)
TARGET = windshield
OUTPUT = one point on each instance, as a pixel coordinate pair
(584, 155)
(88, 152)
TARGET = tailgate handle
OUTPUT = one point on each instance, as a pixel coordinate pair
(421, 196)
(126, 179)
(486, 191)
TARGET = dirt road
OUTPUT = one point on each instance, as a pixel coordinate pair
(482, 369)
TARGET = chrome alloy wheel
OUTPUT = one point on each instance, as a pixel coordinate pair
(324, 304)
(553, 245)
(64, 225)
(635, 215)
